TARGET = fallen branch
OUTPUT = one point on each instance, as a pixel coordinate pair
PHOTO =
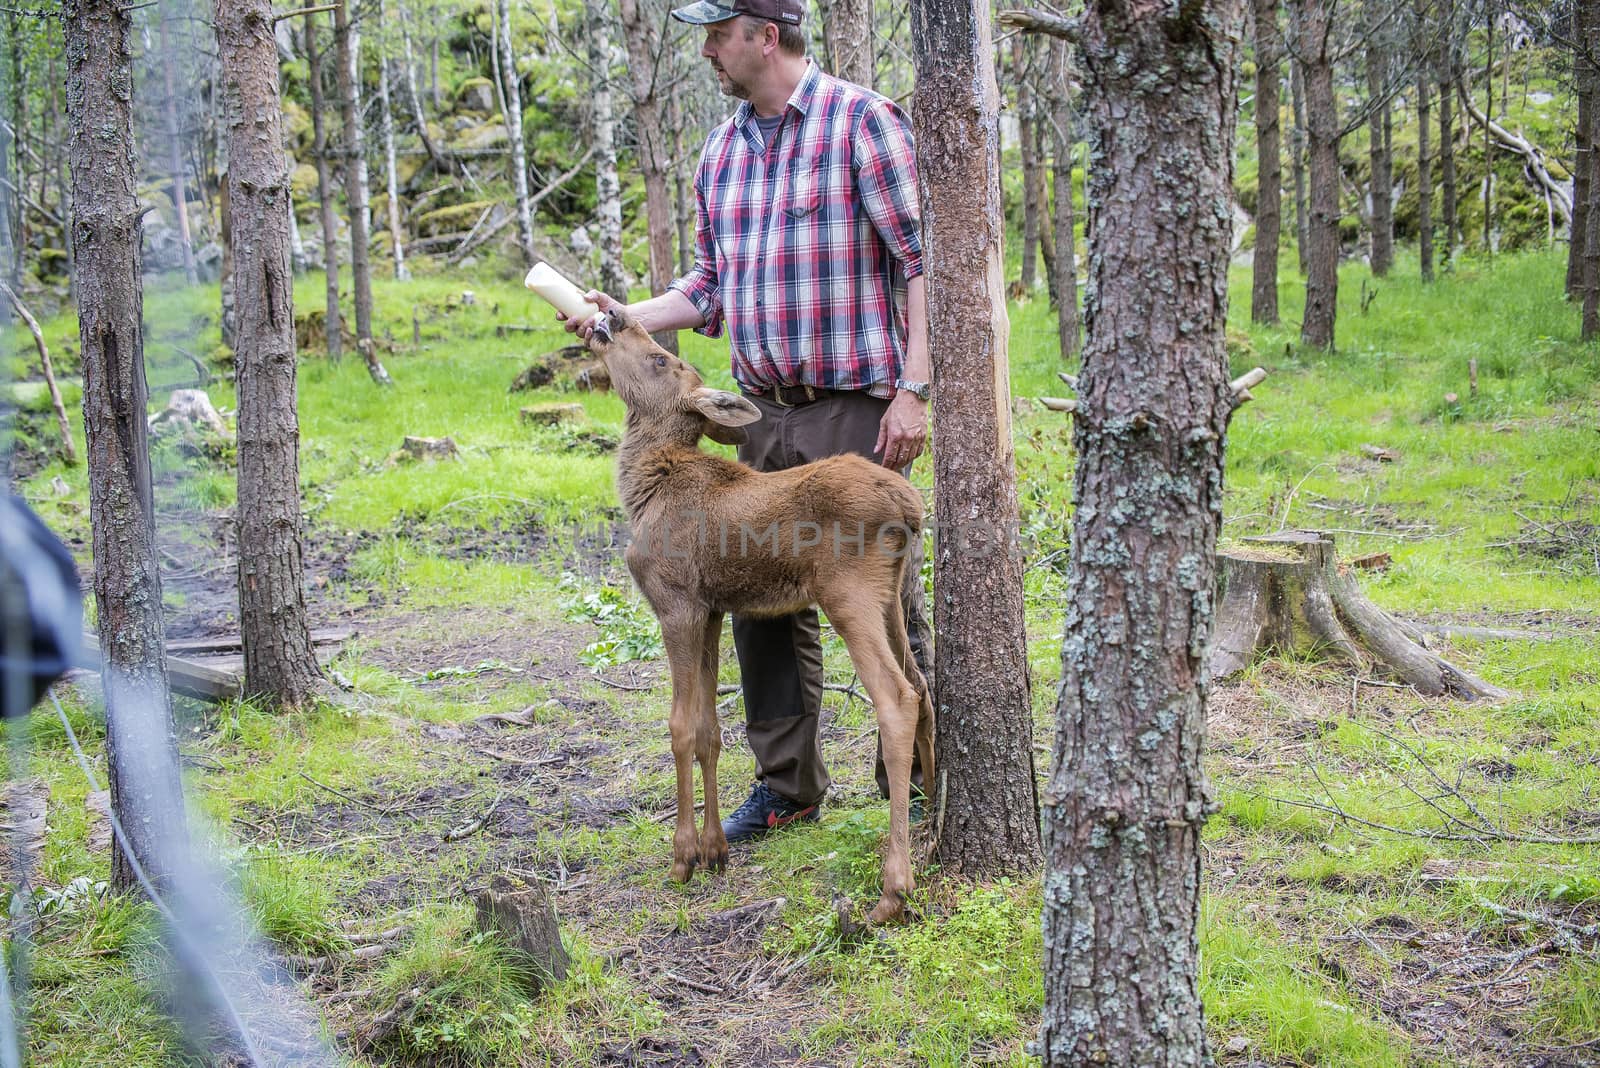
(466, 830)
(1532, 156)
(68, 453)
(1032, 20)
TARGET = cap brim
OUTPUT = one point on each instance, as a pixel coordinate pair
(703, 12)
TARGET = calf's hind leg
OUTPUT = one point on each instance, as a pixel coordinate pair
(708, 747)
(895, 700)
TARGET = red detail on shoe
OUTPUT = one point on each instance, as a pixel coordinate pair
(775, 820)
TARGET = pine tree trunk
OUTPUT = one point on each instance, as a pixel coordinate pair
(986, 792)
(390, 170)
(1312, 29)
(643, 41)
(509, 85)
(10, 242)
(1269, 191)
(1591, 225)
(18, 131)
(1032, 187)
(334, 321)
(1588, 81)
(278, 659)
(847, 39)
(1297, 165)
(1424, 180)
(175, 159)
(355, 185)
(682, 184)
(1127, 795)
(1068, 317)
(608, 189)
(1380, 188)
(141, 747)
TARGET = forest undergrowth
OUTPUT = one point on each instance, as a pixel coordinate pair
(1390, 880)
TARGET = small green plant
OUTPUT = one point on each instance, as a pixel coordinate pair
(628, 631)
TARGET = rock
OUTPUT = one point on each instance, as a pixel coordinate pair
(303, 182)
(580, 242)
(468, 263)
(1379, 453)
(1238, 1044)
(476, 94)
(521, 915)
(468, 298)
(552, 414)
(430, 448)
(191, 409)
(456, 218)
(486, 135)
(593, 379)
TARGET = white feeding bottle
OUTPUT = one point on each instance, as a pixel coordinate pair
(565, 297)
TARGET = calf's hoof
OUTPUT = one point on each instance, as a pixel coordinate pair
(683, 869)
(891, 909)
(714, 852)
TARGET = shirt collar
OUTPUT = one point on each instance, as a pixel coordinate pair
(800, 99)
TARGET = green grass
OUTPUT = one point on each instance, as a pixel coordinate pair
(488, 542)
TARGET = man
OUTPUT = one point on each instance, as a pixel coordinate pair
(808, 254)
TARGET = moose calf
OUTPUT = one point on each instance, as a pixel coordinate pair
(711, 536)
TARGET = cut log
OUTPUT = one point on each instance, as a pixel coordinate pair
(1287, 593)
(522, 916)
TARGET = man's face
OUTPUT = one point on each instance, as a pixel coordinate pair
(735, 54)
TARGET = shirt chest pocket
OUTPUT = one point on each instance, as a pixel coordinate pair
(804, 195)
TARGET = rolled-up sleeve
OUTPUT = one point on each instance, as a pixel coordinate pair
(702, 285)
(886, 177)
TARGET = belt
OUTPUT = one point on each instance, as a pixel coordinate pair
(795, 396)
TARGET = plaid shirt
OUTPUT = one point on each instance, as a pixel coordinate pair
(803, 248)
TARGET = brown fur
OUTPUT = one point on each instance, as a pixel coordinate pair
(711, 536)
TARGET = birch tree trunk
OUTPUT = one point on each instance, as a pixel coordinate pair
(279, 662)
(509, 86)
(333, 322)
(1058, 92)
(847, 39)
(608, 189)
(1313, 25)
(1488, 139)
(1589, 34)
(355, 185)
(1269, 192)
(644, 44)
(390, 175)
(1380, 188)
(141, 747)
(1447, 167)
(440, 161)
(1127, 795)
(986, 789)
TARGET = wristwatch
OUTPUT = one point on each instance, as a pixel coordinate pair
(921, 390)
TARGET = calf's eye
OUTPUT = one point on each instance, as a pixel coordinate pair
(661, 361)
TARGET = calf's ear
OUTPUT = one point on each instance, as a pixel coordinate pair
(723, 408)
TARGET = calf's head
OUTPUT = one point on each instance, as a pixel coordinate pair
(664, 395)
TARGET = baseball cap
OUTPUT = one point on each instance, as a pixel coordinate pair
(699, 14)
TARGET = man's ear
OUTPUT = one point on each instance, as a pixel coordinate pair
(726, 435)
(723, 408)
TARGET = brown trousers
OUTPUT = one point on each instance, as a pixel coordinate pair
(780, 660)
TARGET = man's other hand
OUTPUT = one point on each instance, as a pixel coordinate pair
(903, 431)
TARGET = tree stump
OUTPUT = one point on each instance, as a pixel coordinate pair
(430, 448)
(551, 414)
(1287, 592)
(522, 916)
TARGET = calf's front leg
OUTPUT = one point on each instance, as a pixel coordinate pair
(708, 747)
(683, 639)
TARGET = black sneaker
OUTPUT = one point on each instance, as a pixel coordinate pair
(765, 811)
